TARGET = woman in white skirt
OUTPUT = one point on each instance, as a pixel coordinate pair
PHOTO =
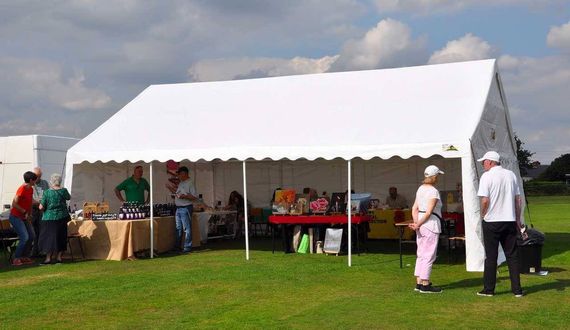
(426, 213)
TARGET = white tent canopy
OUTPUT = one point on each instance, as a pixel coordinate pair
(454, 111)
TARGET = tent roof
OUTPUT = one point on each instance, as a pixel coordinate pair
(375, 113)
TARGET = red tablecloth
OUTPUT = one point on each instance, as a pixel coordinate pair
(457, 218)
(316, 219)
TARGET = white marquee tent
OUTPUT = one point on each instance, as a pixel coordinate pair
(381, 126)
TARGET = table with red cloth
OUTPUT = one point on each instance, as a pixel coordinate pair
(455, 220)
(313, 220)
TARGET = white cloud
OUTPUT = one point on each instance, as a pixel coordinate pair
(537, 92)
(424, 7)
(559, 37)
(28, 82)
(466, 48)
(240, 68)
(38, 125)
(388, 44)
(529, 75)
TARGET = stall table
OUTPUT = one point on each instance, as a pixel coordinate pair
(120, 239)
(382, 223)
(311, 220)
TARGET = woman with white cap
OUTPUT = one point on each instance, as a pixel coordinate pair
(426, 213)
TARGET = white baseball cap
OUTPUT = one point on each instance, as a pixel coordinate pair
(490, 155)
(432, 170)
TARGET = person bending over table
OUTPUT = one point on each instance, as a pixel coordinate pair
(427, 214)
(134, 188)
(185, 196)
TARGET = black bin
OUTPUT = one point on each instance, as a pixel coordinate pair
(530, 258)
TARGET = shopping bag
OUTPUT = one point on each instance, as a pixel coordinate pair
(304, 245)
(333, 238)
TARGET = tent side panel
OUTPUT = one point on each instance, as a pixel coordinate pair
(474, 249)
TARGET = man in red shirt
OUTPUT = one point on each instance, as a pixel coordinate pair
(20, 218)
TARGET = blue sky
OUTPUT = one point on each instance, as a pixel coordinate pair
(67, 66)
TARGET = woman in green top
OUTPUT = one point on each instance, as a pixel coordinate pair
(53, 227)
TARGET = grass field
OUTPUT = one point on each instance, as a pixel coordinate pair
(218, 288)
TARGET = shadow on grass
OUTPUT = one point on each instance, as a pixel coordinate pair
(551, 270)
(555, 244)
(558, 285)
(465, 283)
(5, 266)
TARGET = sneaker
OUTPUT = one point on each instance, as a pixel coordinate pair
(430, 289)
(484, 293)
(417, 288)
(17, 262)
(519, 294)
(45, 263)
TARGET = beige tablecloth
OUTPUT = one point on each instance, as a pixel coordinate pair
(120, 239)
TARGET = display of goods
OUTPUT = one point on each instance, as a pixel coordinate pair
(284, 199)
(104, 216)
(319, 206)
(133, 210)
(164, 210)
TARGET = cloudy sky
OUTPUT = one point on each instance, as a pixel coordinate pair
(67, 66)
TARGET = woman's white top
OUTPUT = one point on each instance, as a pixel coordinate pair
(424, 194)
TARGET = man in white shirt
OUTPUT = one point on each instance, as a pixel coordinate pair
(501, 211)
(185, 196)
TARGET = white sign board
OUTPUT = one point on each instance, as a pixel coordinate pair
(333, 238)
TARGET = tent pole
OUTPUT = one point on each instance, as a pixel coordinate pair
(151, 216)
(349, 208)
(245, 211)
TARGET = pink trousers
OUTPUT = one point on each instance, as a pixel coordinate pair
(426, 253)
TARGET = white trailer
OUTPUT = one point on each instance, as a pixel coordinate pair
(19, 154)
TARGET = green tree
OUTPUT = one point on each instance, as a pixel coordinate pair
(558, 169)
(523, 156)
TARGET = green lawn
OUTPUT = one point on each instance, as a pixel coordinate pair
(218, 288)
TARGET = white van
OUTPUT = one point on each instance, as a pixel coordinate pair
(19, 154)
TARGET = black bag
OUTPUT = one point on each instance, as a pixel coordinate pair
(533, 237)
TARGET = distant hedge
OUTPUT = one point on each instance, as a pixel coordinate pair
(546, 188)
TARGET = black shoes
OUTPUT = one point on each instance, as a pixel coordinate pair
(485, 293)
(430, 289)
(418, 286)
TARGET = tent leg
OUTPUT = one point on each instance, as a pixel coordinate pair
(245, 211)
(151, 216)
(349, 216)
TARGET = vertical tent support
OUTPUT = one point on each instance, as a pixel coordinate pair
(349, 216)
(245, 211)
(151, 216)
